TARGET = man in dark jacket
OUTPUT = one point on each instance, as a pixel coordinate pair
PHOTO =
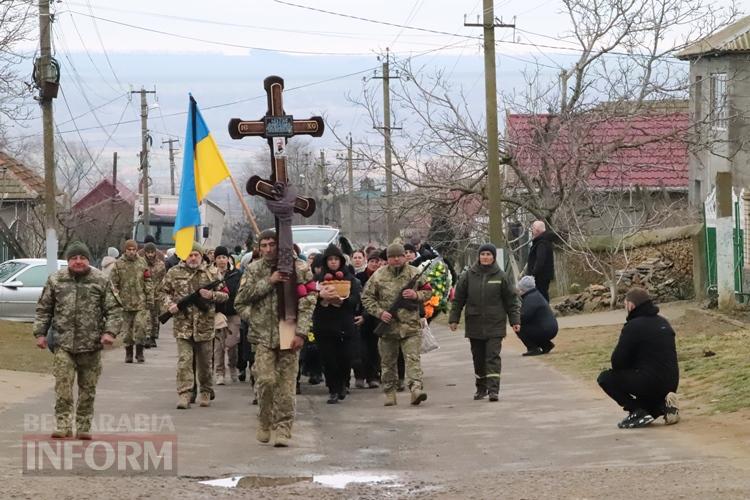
(644, 375)
(538, 323)
(489, 295)
(541, 263)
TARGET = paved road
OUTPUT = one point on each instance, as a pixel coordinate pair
(548, 437)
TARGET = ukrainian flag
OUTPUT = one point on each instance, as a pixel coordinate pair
(202, 169)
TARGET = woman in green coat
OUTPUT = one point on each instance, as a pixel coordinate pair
(489, 297)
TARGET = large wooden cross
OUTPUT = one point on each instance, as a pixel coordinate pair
(281, 197)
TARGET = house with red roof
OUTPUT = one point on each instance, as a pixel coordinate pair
(21, 190)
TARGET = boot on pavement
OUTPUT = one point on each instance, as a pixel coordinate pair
(128, 353)
(83, 435)
(263, 435)
(61, 434)
(417, 396)
(139, 353)
(390, 399)
(204, 399)
(281, 439)
(183, 403)
(480, 394)
(220, 380)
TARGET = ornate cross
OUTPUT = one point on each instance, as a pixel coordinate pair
(281, 197)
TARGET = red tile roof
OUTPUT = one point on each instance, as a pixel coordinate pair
(104, 191)
(648, 151)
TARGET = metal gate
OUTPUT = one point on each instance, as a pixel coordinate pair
(738, 234)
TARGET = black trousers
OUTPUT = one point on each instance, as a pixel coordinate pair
(543, 286)
(309, 361)
(487, 363)
(357, 362)
(335, 353)
(634, 391)
(369, 355)
(534, 338)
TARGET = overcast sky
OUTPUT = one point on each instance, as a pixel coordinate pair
(221, 51)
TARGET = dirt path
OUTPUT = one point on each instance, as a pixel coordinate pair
(549, 437)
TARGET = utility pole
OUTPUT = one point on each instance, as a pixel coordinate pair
(171, 164)
(143, 185)
(114, 169)
(389, 228)
(350, 171)
(494, 179)
(47, 82)
(322, 188)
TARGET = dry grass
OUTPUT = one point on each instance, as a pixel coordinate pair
(718, 382)
(18, 350)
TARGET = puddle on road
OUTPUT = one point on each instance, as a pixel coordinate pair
(337, 481)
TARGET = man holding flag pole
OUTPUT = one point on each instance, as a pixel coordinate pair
(187, 292)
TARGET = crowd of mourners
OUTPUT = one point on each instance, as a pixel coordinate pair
(360, 322)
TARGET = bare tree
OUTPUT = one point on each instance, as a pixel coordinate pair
(16, 24)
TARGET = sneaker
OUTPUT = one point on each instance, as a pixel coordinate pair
(546, 350)
(373, 384)
(671, 409)
(359, 383)
(262, 435)
(220, 380)
(533, 352)
(417, 396)
(333, 399)
(636, 419)
(480, 394)
(494, 398)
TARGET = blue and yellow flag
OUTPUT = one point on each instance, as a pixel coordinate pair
(202, 169)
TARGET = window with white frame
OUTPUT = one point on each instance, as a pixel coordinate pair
(719, 108)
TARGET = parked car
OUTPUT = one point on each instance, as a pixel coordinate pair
(314, 237)
(21, 284)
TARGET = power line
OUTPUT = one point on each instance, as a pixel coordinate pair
(104, 49)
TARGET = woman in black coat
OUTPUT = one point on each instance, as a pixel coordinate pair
(538, 323)
(333, 323)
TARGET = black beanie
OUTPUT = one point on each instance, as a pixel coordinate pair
(77, 248)
(221, 250)
(409, 246)
(149, 239)
(489, 247)
(332, 250)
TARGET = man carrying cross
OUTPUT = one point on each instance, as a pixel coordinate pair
(276, 295)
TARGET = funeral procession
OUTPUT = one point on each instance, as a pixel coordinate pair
(420, 249)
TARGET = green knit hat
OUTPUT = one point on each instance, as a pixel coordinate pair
(77, 248)
(197, 247)
(395, 250)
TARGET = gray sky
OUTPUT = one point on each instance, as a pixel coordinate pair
(106, 48)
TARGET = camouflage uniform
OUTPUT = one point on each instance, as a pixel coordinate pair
(275, 370)
(132, 282)
(193, 328)
(79, 310)
(158, 270)
(404, 330)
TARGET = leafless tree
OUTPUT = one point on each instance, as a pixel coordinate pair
(16, 25)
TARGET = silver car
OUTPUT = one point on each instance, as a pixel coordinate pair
(314, 237)
(21, 284)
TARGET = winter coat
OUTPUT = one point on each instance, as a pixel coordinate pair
(192, 323)
(80, 309)
(232, 281)
(537, 319)
(335, 320)
(647, 345)
(489, 296)
(541, 262)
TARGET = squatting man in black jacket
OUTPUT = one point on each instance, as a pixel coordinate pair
(644, 375)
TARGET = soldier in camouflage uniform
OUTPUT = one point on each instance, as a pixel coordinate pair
(275, 369)
(131, 280)
(79, 305)
(156, 267)
(193, 328)
(404, 328)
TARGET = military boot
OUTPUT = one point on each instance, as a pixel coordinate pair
(183, 403)
(62, 434)
(139, 353)
(204, 399)
(417, 396)
(128, 353)
(281, 439)
(262, 434)
(390, 399)
(83, 435)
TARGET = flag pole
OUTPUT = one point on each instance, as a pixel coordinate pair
(245, 207)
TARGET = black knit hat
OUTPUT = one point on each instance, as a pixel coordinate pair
(332, 250)
(77, 248)
(149, 247)
(221, 250)
(489, 247)
(409, 246)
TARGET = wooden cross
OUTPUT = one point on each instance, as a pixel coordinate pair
(277, 127)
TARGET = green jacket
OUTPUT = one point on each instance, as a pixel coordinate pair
(179, 282)
(80, 309)
(488, 296)
(132, 282)
(257, 303)
(381, 291)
